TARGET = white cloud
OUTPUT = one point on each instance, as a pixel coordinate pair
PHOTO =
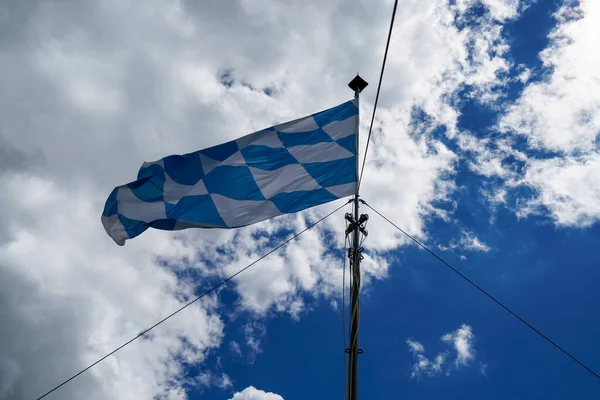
(468, 242)
(71, 298)
(471, 242)
(561, 114)
(254, 332)
(569, 188)
(422, 365)
(225, 382)
(207, 379)
(442, 60)
(93, 89)
(525, 75)
(235, 348)
(461, 343)
(414, 346)
(502, 10)
(486, 157)
(88, 82)
(251, 393)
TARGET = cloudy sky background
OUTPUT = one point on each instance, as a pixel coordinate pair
(485, 146)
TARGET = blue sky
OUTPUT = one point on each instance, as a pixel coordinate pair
(546, 274)
(485, 148)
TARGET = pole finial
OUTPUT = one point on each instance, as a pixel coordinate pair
(357, 84)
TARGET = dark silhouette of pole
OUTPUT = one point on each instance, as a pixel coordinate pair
(357, 84)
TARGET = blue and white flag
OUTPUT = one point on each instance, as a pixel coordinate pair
(278, 170)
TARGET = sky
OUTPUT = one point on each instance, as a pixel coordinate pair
(485, 147)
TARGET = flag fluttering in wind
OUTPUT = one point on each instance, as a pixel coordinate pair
(278, 170)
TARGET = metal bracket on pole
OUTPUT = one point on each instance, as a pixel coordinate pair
(354, 224)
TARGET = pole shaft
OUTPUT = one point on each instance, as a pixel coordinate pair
(355, 289)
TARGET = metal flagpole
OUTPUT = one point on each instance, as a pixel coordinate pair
(355, 255)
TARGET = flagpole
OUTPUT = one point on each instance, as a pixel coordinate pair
(355, 227)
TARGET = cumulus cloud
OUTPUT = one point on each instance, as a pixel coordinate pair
(90, 90)
(423, 366)
(560, 113)
(557, 117)
(461, 343)
(487, 157)
(251, 393)
(468, 242)
(70, 300)
(504, 9)
(208, 379)
(560, 116)
(500, 10)
(444, 60)
(569, 188)
(414, 346)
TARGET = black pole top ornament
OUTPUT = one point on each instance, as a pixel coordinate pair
(357, 84)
